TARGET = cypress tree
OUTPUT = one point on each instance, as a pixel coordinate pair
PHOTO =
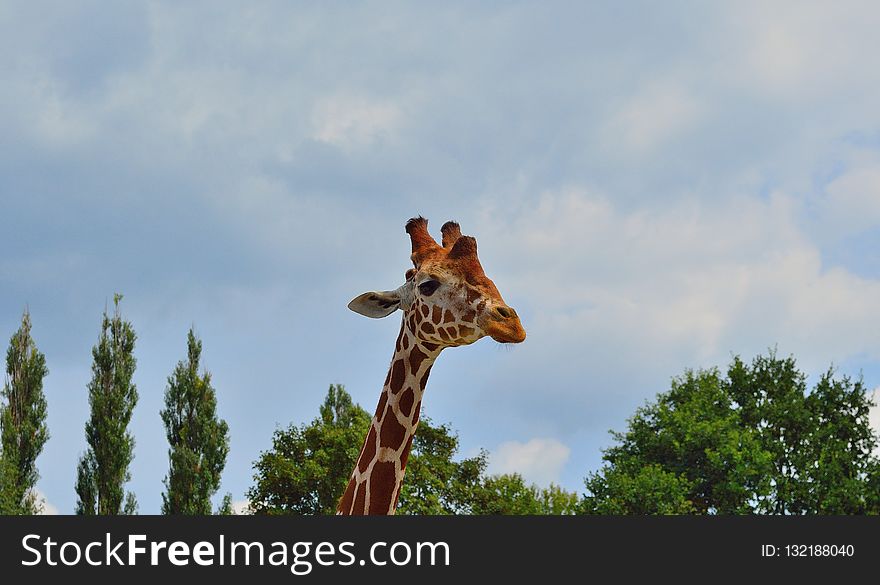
(22, 422)
(198, 439)
(103, 470)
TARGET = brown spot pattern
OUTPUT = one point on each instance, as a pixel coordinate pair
(347, 498)
(465, 331)
(397, 373)
(437, 314)
(448, 317)
(369, 450)
(417, 412)
(416, 357)
(427, 328)
(392, 432)
(469, 316)
(360, 499)
(382, 484)
(424, 379)
(383, 399)
(405, 456)
(406, 402)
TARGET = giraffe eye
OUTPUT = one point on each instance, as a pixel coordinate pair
(428, 287)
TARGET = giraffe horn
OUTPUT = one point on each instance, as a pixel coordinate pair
(464, 247)
(422, 242)
(451, 232)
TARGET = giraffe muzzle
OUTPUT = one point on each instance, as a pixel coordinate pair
(504, 326)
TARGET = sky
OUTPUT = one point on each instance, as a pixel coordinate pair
(653, 186)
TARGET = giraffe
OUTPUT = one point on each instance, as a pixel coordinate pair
(447, 301)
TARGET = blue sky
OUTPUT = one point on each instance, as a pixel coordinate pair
(653, 186)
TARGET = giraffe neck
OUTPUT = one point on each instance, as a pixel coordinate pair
(374, 486)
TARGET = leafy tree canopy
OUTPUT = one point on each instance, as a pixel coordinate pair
(198, 438)
(753, 441)
(23, 430)
(104, 469)
(308, 468)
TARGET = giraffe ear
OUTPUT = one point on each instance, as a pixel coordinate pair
(376, 304)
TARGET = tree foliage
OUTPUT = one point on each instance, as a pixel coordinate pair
(753, 441)
(646, 490)
(225, 508)
(198, 439)
(23, 430)
(435, 482)
(821, 443)
(103, 470)
(509, 494)
(308, 468)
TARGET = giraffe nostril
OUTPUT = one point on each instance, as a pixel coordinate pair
(505, 312)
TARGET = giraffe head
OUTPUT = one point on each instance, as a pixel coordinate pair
(447, 299)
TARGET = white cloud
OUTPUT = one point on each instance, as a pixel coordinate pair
(853, 200)
(538, 460)
(659, 112)
(46, 117)
(803, 49)
(683, 284)
(241, 507)
(353, 121)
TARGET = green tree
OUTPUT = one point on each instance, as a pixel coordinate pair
(836, 463)
(509, 494)
(198, 439)
(103, 470)
(752, 442)
(872, 503)
(437, 483)
(23, 430)
(643, 490)
(225, 508)
(821, 442)
(308, 467)
(555, 501)
(770, 397)
(695, 435)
